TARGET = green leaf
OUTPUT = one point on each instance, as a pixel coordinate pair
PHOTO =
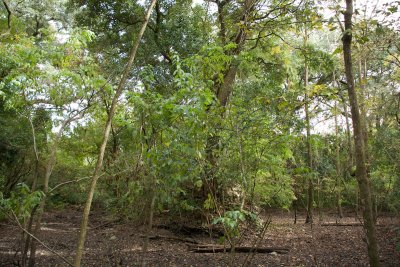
(338, 50)
(199, 183)
(393, 9)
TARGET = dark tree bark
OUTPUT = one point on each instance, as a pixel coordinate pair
(9, 13)
(361, 169)
(223, 89)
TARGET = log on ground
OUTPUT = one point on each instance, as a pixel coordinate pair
(240, 249)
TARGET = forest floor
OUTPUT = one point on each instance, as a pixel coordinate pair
(112, 243)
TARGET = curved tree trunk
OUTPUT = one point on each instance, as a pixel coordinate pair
(106, 134)
(361, 171)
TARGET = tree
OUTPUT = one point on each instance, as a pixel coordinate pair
(361, 169)
(240, 25)
(106, 133)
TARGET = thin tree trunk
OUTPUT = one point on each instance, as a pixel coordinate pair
(357, 206)
(242, 168)
(361, 171)
(106, 134)
(310, 190)
(27, 239)
(319, 199)
(348, 133)
(49, 169)
(310, 202)
(338, 168)
(150, 224)
(9, 17)
(36, 230)
(350, 163)
(365, 125)
(362, 73)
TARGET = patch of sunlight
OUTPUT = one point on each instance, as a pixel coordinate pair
(4, 246)
(44, 228)
(133, 248)
(8, 252)
(47, 253)
(139, 248)
(56, 223)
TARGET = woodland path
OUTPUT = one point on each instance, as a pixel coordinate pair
(113, 243)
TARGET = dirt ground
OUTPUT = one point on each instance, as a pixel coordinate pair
(111, 243)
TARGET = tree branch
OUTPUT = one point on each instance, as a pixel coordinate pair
(9, 14)
(68, 182)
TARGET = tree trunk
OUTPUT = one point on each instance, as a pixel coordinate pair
(242, 168)
(361, 170)
(362, 73)
(350, 162)
(310, 202)
(223, 91)
(149, 223)
(27, 239)
(362, 68)
(348, 133)
(106, 134)
(49, 169)
(337, 163)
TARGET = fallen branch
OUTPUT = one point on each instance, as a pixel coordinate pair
(186, 240)
(342, 224)
(346, 224)
(243, 249)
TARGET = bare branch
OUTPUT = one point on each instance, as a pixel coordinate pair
(68, 182)
(340, 23)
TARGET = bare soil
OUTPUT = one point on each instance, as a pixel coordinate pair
(113, 243)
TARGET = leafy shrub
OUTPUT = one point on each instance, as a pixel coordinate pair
(20, 203)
